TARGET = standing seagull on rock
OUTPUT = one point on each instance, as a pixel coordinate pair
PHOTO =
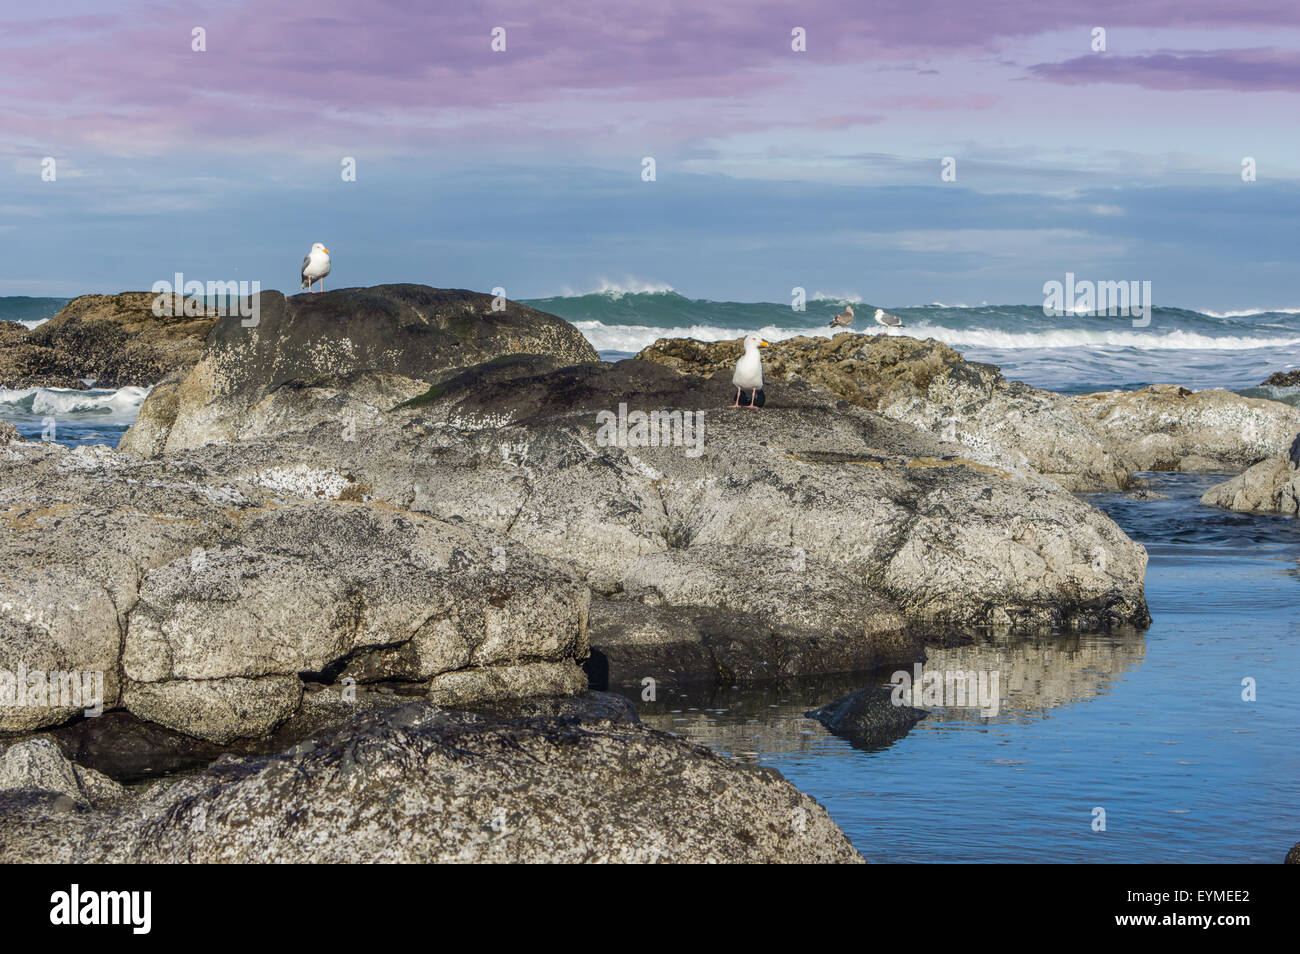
(749, 371)
(316, 266)
(886, 320)
(844, 318)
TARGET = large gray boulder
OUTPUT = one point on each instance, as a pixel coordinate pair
(1170, 428)
(415, 784)
(879, 517)
(323, 341)
(1271, 486)
(205, 603)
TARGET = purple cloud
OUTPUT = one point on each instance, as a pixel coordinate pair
(1256, 70)
(405, 72)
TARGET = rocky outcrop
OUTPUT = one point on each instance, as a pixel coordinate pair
(205, 604)
(415, 784)
(37, 765)
(1086, 442)
(1283, 379)
(116, 340)
(1271, 486)
(840, 491)
(930, 386)
(1166, 427)
(450, 543)
(359, 348)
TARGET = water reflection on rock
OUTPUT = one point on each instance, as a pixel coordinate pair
(1036, 675)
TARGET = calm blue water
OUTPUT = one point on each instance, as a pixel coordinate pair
(1151, 728)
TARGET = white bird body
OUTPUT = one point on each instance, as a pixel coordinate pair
(316, 266)
(749, 371)
(886, 320)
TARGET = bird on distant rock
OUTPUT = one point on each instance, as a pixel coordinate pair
(749, 372)
(886, 320)
(315, 266)
(844, 318)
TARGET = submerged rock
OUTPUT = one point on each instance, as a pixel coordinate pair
(415, 784)
(250, 380)
(868, 718)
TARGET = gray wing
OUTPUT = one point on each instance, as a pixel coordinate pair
(305, 261)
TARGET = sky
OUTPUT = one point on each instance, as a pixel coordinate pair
(524, 168)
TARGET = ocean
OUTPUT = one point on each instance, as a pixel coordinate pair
(1078, 354)
(1074, 354)
(1150, 727)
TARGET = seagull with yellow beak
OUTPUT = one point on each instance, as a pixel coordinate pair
(749, 371)
(316, 266)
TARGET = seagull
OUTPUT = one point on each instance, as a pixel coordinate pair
(844, 318)
(886, 320)
(316, 266)
(749, 371)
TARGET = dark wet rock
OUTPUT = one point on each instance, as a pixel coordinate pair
(1283, 379)
(1145, 494)
(249, 379)
(1293, 856)
(868, 718)
(415, 784)
(114, 339)
(685, 645)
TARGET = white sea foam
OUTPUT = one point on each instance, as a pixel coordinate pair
(109, 407)
(1248, 312)
(635, 337)
(632, 338)
(629, 286)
